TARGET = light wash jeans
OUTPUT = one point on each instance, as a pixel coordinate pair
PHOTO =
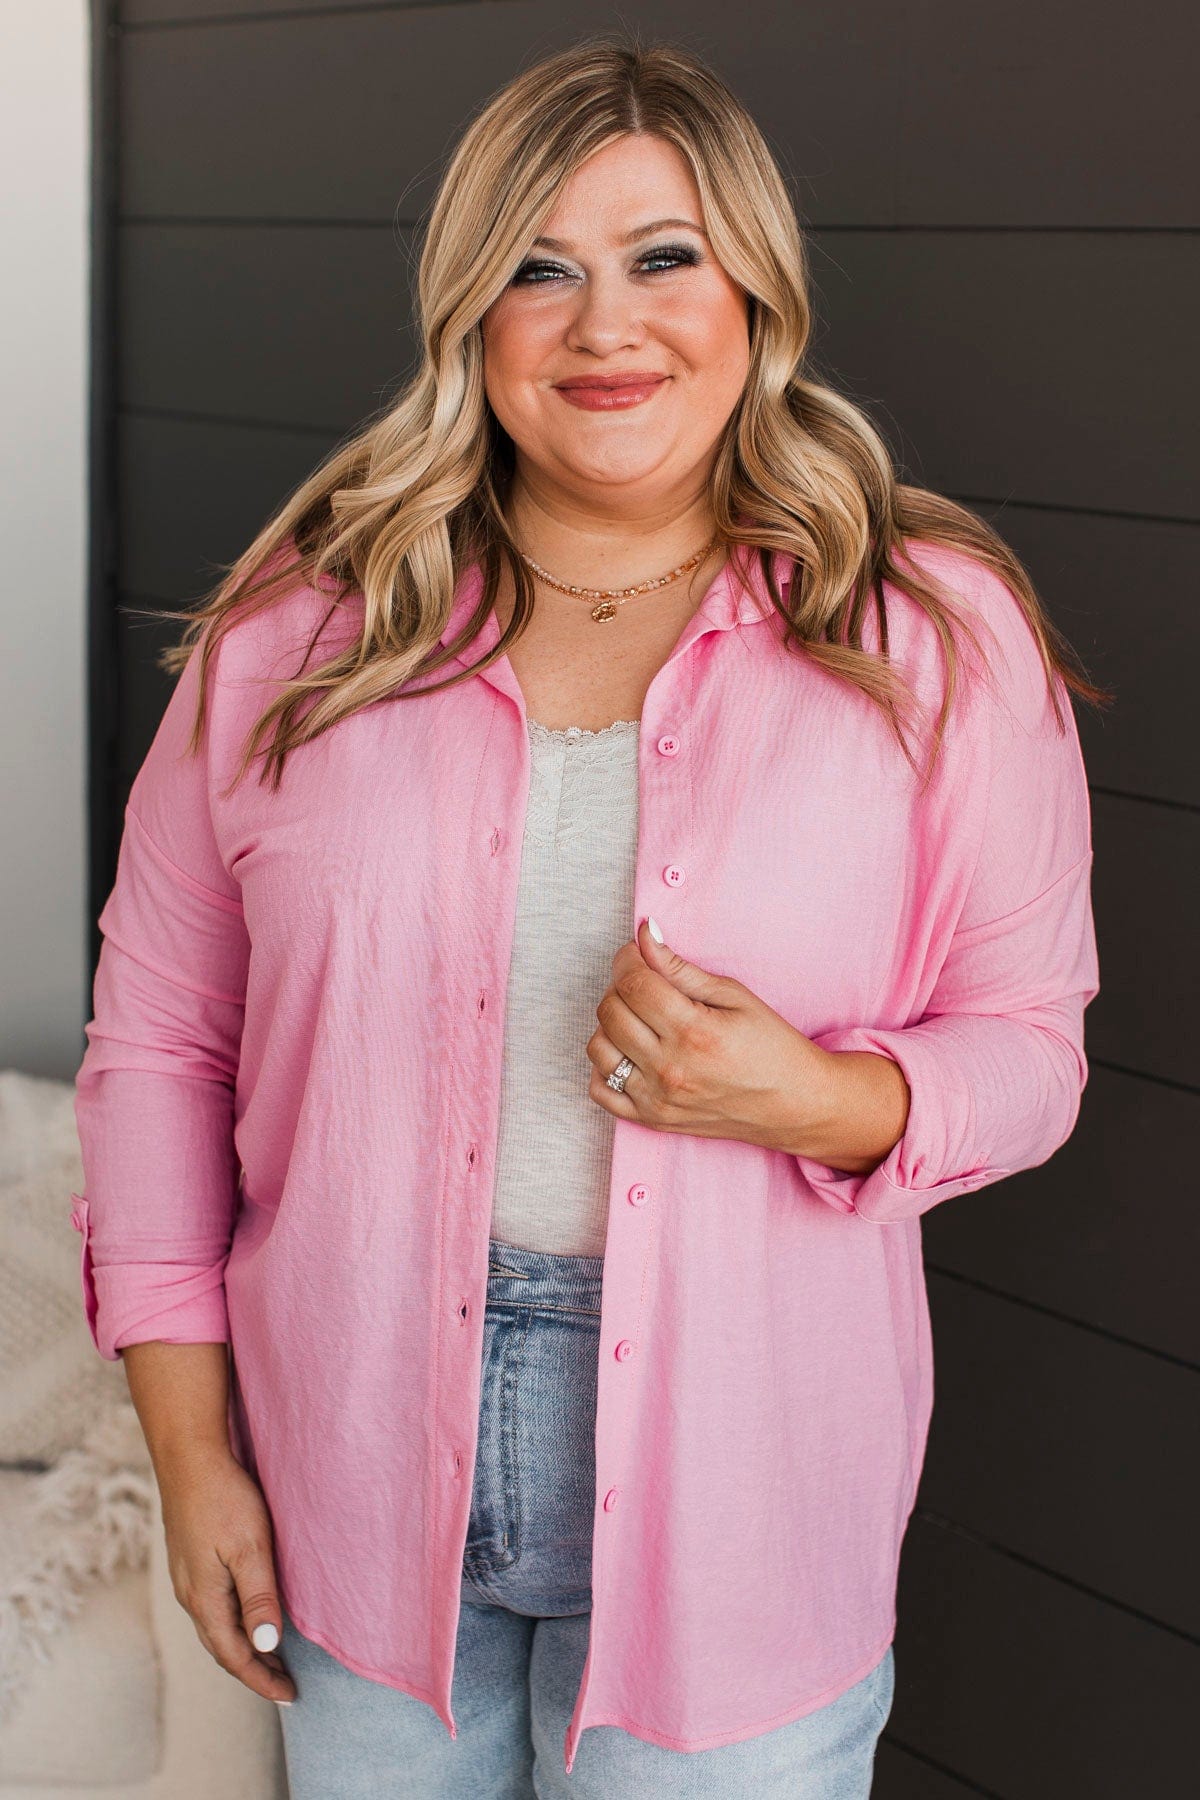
(523, 1625)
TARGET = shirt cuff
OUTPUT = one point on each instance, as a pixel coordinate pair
(135, 1303)
(932, 1161)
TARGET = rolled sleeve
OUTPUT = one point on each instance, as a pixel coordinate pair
(995, 1063)
(154, 1094)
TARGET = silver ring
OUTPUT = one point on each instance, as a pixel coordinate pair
(620, 1075)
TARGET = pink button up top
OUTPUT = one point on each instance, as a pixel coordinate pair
(288, 1112)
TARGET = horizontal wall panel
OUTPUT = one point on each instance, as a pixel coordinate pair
(1042, 113)
(345, 115)
(1030, 1688)
(899, 1775)
(282, 150)
(145, 688)
(1146, 899)
(293, 326)
(880, 115)
(193, 496)
(1113, 586)
(986, 360)
(1119, 1196)
(1028, 114)
(149, 13)
(1064, 1445)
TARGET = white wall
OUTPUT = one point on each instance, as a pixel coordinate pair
(44, 207)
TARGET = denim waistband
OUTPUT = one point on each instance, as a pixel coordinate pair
(543, 1277)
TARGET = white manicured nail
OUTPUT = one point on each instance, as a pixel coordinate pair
(656, 931)
(265, 1636)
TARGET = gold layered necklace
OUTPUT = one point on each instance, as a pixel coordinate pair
(607, 600)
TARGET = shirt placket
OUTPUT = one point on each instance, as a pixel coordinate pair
(665, 852)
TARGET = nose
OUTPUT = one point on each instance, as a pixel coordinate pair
(605, 318)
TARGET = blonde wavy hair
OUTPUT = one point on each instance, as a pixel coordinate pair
(396, 513)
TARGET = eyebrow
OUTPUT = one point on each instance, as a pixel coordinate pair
(639, 231)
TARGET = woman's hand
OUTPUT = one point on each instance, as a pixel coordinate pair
(711, 1058)
(220, 1554)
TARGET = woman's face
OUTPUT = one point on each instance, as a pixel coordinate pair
(609, 297)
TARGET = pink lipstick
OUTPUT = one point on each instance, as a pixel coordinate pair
(609, 393)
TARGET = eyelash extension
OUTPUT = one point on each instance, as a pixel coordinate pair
(683, 253)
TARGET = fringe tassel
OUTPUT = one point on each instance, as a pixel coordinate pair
(88, 1520)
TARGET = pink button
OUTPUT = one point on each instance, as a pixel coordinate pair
(638, 1194)
(610, 1499)
(668, 745)
(673, 875)
(623, 1351)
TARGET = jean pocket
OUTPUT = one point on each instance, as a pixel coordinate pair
(494, 1525)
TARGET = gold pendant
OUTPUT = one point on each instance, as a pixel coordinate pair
(605, 610)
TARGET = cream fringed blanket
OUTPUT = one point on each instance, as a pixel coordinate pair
(75, 1474)
(64, 1528)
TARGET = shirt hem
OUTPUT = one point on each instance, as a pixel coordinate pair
(402, 1683)
(738, 1733)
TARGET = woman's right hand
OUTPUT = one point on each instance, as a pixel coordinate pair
(220, 1552)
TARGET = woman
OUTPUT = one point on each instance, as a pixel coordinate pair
(507, 1119)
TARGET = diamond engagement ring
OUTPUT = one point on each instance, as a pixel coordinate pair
(620, 1075)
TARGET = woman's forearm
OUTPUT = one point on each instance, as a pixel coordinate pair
(181, 1395)
(863, 1115)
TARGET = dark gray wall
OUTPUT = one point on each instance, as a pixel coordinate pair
(1002, 205)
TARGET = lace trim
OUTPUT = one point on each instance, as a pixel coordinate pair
(564, 733)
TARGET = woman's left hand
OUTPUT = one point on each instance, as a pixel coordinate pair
(711, 1058)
